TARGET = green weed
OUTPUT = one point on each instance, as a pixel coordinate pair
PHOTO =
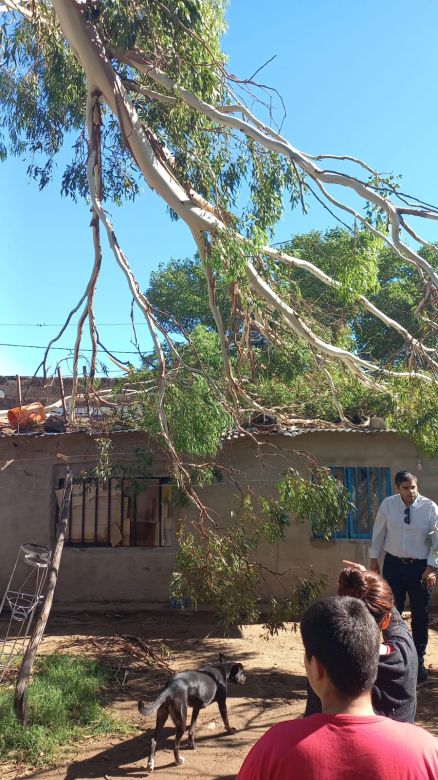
(65, 704)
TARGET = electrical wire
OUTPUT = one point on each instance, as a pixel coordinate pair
(69, 325)
(70, 349)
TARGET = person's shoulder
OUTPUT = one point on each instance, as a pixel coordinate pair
(426, 501)
(389, 501)
(295, 730)
(410, 734)
(299, 725)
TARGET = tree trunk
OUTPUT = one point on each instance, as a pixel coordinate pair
(37, 634)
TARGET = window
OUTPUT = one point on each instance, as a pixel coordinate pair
(120, 513)
(367, 486)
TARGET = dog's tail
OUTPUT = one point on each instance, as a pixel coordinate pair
(147, 709)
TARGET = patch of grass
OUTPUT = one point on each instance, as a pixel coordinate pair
(65, 705)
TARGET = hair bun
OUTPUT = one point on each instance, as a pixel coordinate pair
(352, 582)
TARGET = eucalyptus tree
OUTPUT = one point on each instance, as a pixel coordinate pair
(141, 92)
(145, 87)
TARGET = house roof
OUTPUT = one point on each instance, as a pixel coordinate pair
(90, 427)
(95, 420)
(299, 426)
(292, 428)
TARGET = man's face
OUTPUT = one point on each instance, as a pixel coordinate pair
(408, 491)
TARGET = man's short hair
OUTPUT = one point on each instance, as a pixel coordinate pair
(404, 476)
(342, 634)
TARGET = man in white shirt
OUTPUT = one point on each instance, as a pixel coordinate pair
(406, 530)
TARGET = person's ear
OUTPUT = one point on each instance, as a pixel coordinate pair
(314, 669)
(385, 621)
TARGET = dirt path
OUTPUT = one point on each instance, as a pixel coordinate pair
(274, 691)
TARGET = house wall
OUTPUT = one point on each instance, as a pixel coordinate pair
(300, 550)
(89, 577)
(139, 577)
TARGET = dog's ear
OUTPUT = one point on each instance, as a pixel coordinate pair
(222, 658)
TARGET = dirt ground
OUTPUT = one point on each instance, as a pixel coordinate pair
(274, 691)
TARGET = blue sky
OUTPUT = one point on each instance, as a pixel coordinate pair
(356, 78)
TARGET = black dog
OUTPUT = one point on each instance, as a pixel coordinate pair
(194, 689)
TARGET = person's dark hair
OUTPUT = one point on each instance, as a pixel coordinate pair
(369, 587)
(342, 634)
(404, 476)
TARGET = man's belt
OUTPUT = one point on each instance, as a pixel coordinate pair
(407, 560)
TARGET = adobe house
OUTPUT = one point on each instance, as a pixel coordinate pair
(121, 542)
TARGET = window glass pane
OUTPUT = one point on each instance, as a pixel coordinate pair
(368, 489)
(339, 472)
(367, 486)
(364, 495)
(145, 515)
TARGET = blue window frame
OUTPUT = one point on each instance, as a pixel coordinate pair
(367, 486)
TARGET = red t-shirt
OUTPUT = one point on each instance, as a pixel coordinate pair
(343, 747)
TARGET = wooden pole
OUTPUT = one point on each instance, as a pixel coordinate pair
(37, 634)
(20, 399)
(61, 384)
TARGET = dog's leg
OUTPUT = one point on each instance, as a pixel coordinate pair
(179, 718)
(191, 740)
(162, 715)
(222, 704)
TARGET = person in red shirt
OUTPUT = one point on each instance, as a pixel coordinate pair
(347, 740)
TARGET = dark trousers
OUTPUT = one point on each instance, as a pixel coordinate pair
(405, 578)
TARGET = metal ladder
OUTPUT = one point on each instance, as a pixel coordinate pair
(24, 593)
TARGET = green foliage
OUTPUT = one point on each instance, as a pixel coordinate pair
(210, 570)
(107, 467)
(284, 373)
(205, 350)
(321, 498)
(42, 109)
(64, 704)
(179, 291)
(352, 258)
(415, 413)
(291, 608)
(357, 400)
(228, 256)
(362, 265)
(42, 90)
(213, 566)
(196, 419)
(201, 476)
(221, 568)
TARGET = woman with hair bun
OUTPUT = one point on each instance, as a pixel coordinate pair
(395, 690)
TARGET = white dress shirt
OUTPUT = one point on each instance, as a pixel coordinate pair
(391, 534)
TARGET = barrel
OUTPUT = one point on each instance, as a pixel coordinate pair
(21, 417)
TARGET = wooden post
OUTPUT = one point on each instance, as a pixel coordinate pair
(20, 400)
(61, 384)
(37, 633)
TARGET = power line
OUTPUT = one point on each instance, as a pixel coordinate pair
(69, 325)
(70, 349)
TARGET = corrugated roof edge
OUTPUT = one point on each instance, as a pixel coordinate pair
(293, 431)
(260, 430)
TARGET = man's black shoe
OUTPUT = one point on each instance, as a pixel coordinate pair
(422, 674)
